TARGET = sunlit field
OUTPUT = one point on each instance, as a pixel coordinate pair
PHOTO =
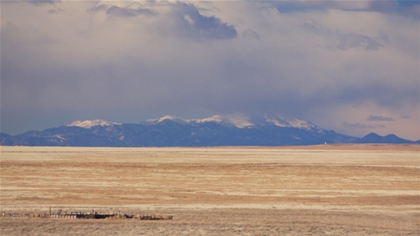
(327, 189)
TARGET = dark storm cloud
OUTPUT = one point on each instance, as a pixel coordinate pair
(379, 118)
(121, 11)
(286, 7)
(97, 8)
(354, 40)
(251, 34)
(42, 2)
(382, 94)
(383, 5)
(349, 40)
(362, 126)
(408, 3)
(193, 24)
(407, 8)
(127, 12)
(183, 19)
(54, 11)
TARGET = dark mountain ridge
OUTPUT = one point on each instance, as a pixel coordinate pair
(266, 130)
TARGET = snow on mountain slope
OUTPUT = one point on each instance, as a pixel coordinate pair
(239, 120)
(242, 121)
(87, 124)
(285, 121)
(258, 129)
(235, 120)
(168, 117)
(216, 119)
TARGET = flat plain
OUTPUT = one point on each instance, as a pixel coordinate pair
(311, 190)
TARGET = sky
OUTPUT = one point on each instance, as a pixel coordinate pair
(347, 66)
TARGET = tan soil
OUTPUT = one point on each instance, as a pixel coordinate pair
(314, 190)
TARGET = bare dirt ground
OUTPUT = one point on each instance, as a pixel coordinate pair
(315, 190)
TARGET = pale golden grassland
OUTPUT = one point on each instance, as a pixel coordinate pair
(315, 190)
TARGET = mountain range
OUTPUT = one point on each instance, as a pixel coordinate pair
(232, 130)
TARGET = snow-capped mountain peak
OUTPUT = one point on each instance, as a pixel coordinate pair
(242, 121)
(221, 130)
(87, 124)
(237, 120)
(162, 119)
(283, 121)
(216, 119)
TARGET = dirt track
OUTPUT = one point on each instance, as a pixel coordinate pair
(343, 189)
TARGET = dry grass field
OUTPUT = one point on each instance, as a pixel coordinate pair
(315, 190)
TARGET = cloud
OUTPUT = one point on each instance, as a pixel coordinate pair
(42, 2)
(181, 19)
(203, 58)
(354, 40)
(362, 126)
(53, 11)
(413, 11)
(379, 118)
(122, 11)
(348, 40)
(251, 34)
(360, 5)
(98, 8)
(407, 8)
(193, 24)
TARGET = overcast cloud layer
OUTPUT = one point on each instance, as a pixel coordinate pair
(350, 66)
